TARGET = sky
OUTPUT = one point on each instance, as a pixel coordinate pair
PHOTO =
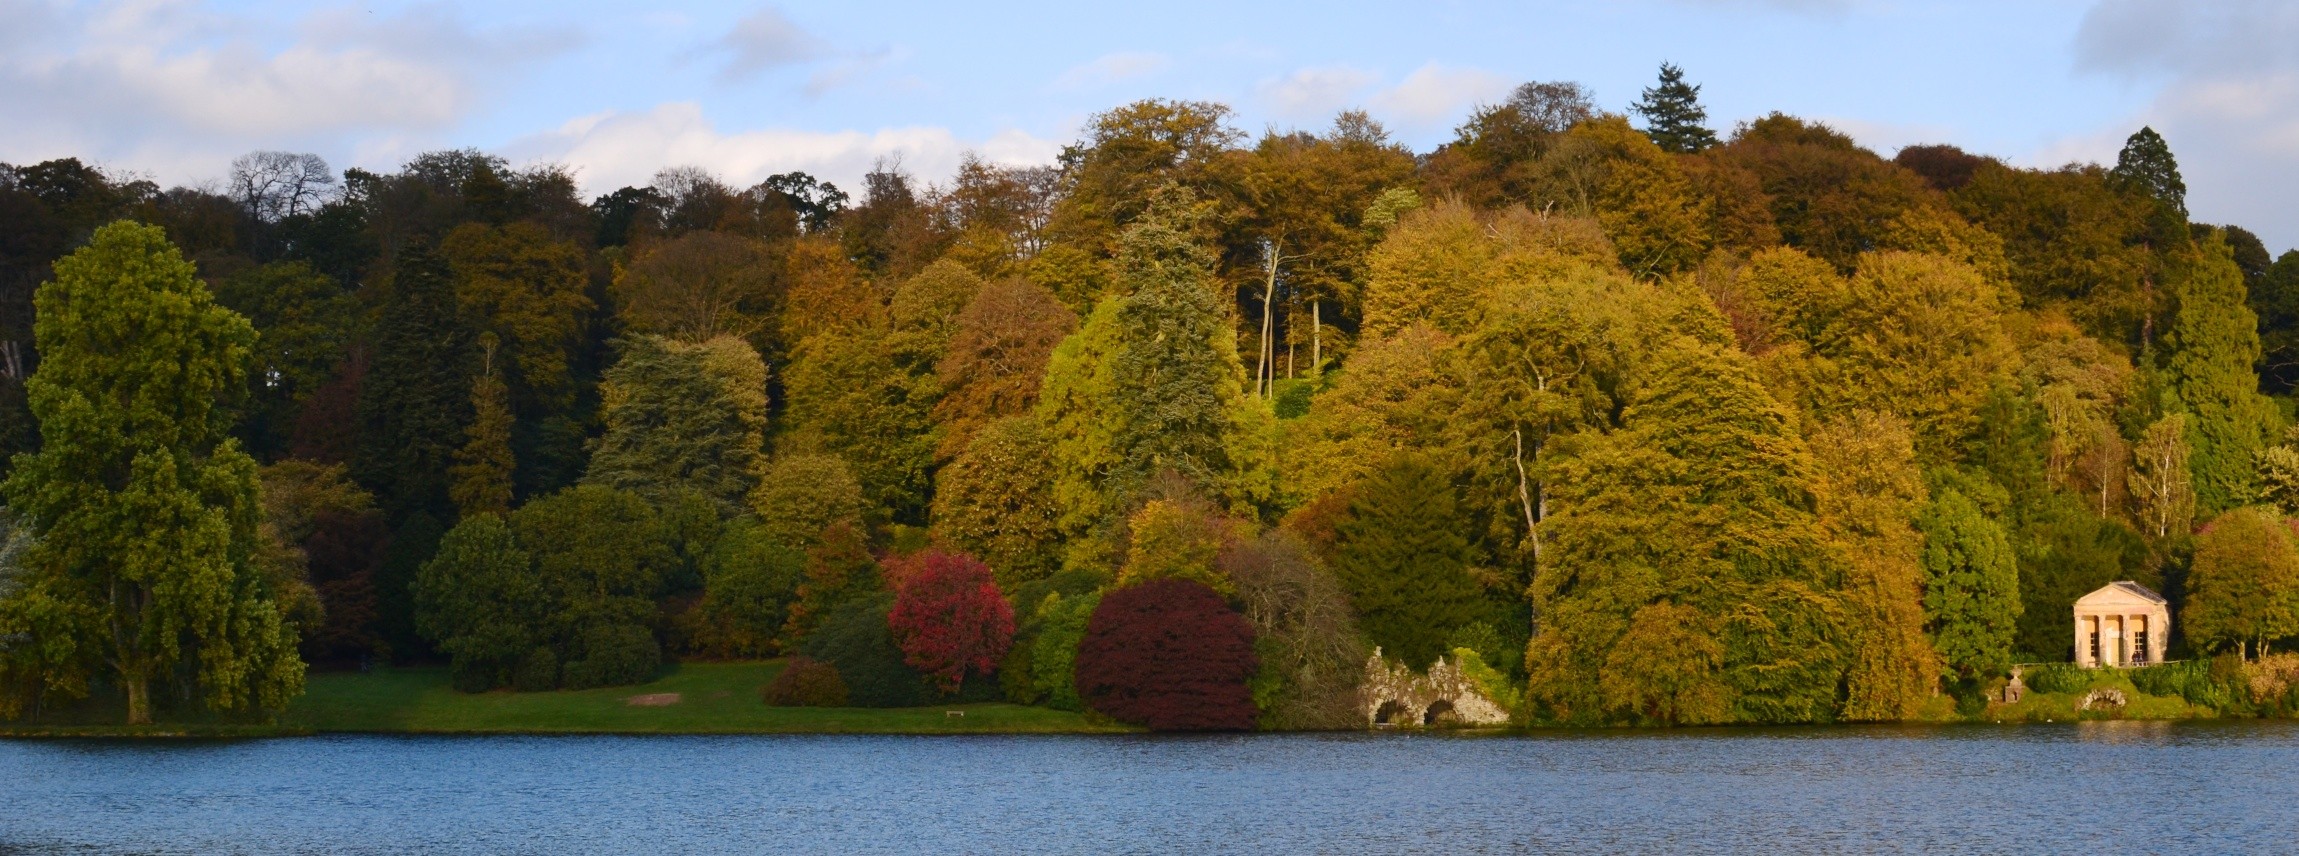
(174, 89)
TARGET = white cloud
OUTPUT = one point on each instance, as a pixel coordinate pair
(2228, 102)
(1112, 68)
(177, 84)
(1435, 94)
(610, 150)
(1314, 92)
(768, 39)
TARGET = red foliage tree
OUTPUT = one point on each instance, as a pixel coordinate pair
(949, 618)
(1171, 655)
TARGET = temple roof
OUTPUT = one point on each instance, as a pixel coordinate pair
(2129, 588)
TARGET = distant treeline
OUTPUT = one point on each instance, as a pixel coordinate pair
(1641, 424)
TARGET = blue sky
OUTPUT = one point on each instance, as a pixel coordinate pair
(175, 88)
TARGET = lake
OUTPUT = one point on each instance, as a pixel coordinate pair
(2106, 786)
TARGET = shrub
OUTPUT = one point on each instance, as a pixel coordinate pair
(806, 682)
(854, 638)
(749, 580)
(2058, 678)
(1054, 653)
(2191, 680)
(613, 655)
(536, 672)
(467, 675)
(949, 619)
(1171, 655)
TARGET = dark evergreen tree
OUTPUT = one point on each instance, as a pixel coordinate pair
(1672, 113)
(1405, 562)
(2145, 166)
(415, 396)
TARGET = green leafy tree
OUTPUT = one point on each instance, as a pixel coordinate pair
(1673, 115)
(1054, 653)
(1971, 585)
(144, 512)
(2162, 483)
(1404, 562)
(850, 396)
(802, 495)
(480, 602)
(304, 323)
(749, 581)
(684, 416)
(1869, 493)
(601, 556)
(996, 501)
(531, 291)
(2244, 584)
(1693, 520)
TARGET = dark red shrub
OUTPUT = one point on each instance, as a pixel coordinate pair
(949, 618)
(1171, 655)
(806, 682)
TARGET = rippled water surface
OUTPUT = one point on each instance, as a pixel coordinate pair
(2095, 787)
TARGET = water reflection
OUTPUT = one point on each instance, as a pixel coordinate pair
(1875, 789)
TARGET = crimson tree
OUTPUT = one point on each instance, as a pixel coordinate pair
(1171, 655)
(949, 618)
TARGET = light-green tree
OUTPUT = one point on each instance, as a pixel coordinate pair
(1693, 520)
(2244, 586)
(142, 509)
(684, 416)
(996, 501)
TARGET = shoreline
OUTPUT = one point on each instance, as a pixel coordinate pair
(719, 699)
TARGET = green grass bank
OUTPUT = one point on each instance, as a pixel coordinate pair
(689, 698)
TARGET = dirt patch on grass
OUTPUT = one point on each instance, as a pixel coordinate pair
(654, 700)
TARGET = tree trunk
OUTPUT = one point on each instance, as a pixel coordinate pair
(1525, 497)
(139, 687)
(1261, 378)
(1316, 338)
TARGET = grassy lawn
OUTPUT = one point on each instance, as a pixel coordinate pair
(713, 698)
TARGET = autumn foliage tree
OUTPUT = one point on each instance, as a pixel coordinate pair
(949, 618)
(1169, 654)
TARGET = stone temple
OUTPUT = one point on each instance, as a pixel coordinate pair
(2121, 624)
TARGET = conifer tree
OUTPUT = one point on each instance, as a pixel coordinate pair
(1151, 383)
(412, 400)
(684, 416)
(2214, 358)
(2147, 167)
(142, 509)
(1673, 115)
(1405, 563)
(481, 477)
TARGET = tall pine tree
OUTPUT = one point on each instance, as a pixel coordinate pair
(1672, 113)
(2215, 352)
(1405, 563)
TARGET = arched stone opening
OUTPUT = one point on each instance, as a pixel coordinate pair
(1390, 712)
(1441, 712)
